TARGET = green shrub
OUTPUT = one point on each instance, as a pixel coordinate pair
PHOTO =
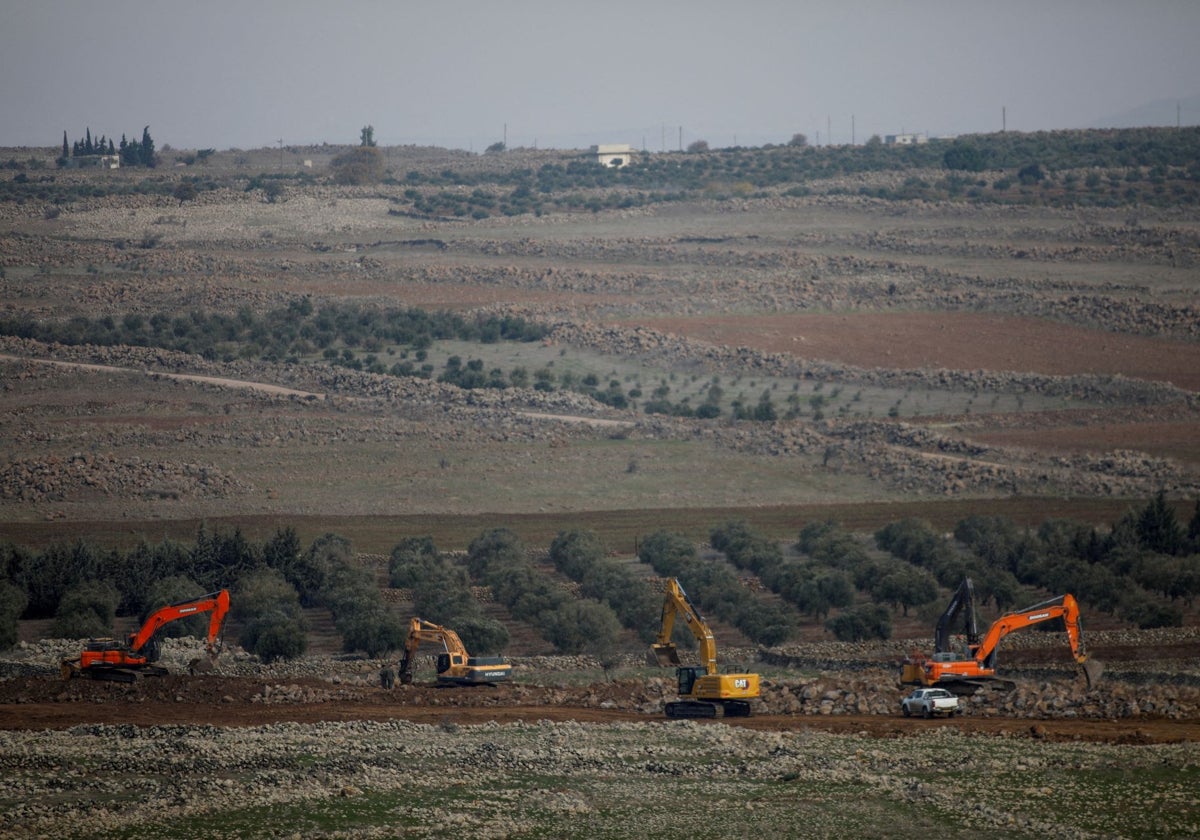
(373, 629)
(361, 165)
(581, 626)
(857, 625)
(12, 604)
(444, 594)
(574, 552)
(275, 635)
(87, 610)
(480, 635)
(267, 608)
(412, 559)
(667, 553)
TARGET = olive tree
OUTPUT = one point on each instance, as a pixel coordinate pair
(359, 166)
(12, 604)
(267, 607)
(86, 610)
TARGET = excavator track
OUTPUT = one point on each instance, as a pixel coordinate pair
(124, 675)
(965, 688)
(702, 709)
(691, 709)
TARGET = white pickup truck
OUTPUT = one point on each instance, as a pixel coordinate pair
(928, 702)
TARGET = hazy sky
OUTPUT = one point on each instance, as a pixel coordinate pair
(567, 74)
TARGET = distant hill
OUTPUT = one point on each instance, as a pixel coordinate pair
(1161, 112)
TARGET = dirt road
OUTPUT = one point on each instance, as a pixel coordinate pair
(262, 387)
(47, 703)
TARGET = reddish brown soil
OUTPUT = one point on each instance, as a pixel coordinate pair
(958, 340)
(1179, 440)
(47, 703)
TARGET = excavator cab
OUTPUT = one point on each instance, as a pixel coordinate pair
(687, 675)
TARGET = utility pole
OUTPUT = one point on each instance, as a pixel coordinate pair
(506, 135)
(1003, 118)
(829, 129)
(281, 153)
(681, 138)
(852, 130)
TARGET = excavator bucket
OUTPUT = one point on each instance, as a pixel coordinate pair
(665, 655)
(1092, 669)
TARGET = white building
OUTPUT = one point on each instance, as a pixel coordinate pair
(905, 139)
(614, 155)
(94, 162)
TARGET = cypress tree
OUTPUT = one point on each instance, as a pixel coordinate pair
(66, 149)
(146, 153)
(1158, 528)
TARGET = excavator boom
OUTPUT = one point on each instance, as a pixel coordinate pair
(962, 605)
(216, 603)
(676, 602)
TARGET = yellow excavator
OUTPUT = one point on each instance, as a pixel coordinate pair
(454, 665)
(703, 691)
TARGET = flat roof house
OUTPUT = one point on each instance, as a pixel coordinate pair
(614, 155)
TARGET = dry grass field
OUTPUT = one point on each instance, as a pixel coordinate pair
(1044, 339)
(925, 359)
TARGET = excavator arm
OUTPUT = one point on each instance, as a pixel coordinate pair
(1064, 607)
(420, 631)
(676, 603)
(962, 605)
(216, 603)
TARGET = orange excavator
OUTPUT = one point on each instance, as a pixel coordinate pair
(454, 665)
(109, 659)
(975, 663)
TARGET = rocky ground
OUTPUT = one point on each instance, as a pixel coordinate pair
(713, 288)
(316, 748)
(1150, 685)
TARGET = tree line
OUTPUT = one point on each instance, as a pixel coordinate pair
(132, 152)
(1149, 165)
(361, 339)
(1114, 167)
(281, 334)
(1144, 569)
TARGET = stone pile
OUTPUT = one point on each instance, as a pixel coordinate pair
(55, 478)
(829, 678)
